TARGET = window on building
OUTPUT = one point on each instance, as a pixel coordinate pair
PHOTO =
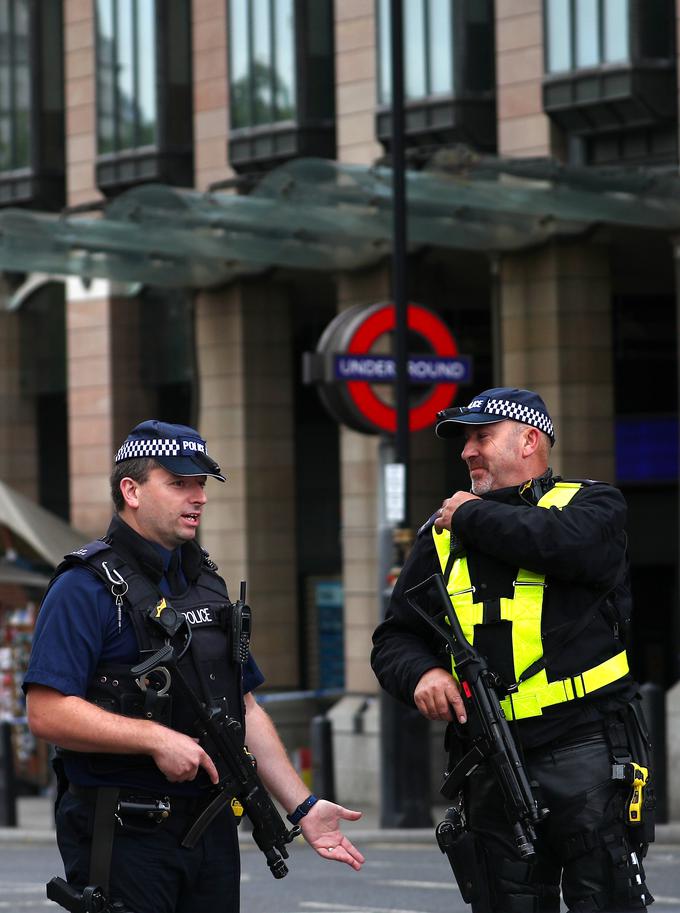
(449, 71)
(126, 64)
(143, 92)
(31, 103)
(281, 79)
(585, 33)
(262, 54)
(428, 53)
(610, 78)
(15, 94)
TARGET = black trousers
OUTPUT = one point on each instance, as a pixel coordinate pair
(583, 846)
(150, 871)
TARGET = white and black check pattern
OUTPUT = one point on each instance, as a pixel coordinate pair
(158, 447)
(520, 414)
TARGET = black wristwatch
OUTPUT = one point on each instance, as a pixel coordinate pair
(299, 813)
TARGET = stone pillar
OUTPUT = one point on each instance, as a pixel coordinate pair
(355, 718)
(523, 127)
(359, 483)
(211, 91)
(245, 365)
(80, 102)
(18, 432)
(556, 337)
(355, 81)
(105, 397)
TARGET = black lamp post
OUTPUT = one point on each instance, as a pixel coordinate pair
(405, 755)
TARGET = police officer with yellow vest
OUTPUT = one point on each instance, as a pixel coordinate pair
(536, 571)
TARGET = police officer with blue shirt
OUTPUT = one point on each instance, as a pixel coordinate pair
(132, 777)
(535, 568)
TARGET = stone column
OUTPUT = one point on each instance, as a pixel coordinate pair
(356, 718)
(211, 91)
(105, 396)
(523, 127)
(556, 337)
(359, 482)
(245, 365)
(355, 81)
(80, 101)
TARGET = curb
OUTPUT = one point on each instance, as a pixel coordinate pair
(665, 834)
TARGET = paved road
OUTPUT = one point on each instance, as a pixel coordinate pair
(397, 878)
(400, 878)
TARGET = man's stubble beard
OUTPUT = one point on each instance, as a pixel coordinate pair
(483, 487)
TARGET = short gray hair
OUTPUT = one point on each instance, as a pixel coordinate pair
(137, 469)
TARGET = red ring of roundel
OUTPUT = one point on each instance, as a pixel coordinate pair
(436, 333)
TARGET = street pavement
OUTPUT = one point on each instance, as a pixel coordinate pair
(404, 871)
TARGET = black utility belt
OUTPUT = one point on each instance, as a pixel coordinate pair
(140, 807)
(583, 732)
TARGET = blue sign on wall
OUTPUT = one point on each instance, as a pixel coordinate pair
(647, 449)
(328, 599)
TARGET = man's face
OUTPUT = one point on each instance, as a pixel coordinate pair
(169, 507)
(493, 454)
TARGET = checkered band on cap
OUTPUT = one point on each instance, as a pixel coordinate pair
(159, 447)
(520, 413)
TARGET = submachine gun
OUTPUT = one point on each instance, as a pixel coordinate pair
(243, 784)
(487, 728)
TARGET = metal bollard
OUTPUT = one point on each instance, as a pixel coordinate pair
(654, 708)
(8, 791)
(321, 742)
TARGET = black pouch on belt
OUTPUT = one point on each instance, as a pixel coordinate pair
(465, 857)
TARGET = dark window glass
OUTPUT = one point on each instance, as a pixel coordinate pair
(428, 49)
(126, 75)
(261, 62)
(615, 37)
(440, 29)
(284, 58)
(585, 33)
(15, 86)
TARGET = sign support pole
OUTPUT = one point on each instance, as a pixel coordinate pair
(404, 737)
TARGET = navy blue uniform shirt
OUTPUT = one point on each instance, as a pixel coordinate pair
(77, 629)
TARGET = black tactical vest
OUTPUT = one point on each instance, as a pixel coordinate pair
(206, 663)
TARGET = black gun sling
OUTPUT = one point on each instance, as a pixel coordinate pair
(103, 827)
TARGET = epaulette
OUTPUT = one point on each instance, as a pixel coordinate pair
(87, 551)
(428, 524)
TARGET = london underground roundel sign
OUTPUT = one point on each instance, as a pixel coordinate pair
(353, 360)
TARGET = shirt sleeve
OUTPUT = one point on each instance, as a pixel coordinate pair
(584, 541)
(404, 646)
(69, 634)
(252, 676)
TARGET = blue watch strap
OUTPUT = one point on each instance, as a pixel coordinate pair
(299, 813)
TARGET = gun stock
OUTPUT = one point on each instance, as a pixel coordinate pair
(89, 900)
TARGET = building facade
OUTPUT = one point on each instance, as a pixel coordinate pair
(101, 96)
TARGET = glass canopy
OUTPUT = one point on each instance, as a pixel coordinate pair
(318, 214)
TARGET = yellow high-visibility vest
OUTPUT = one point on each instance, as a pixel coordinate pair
(525, 612)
